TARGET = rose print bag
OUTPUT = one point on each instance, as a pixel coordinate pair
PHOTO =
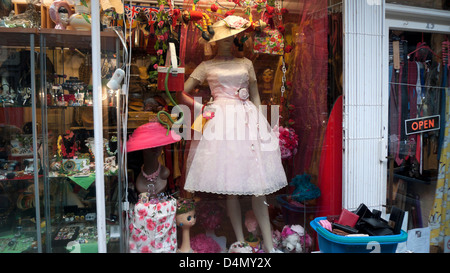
(153, 227)
(269, 41)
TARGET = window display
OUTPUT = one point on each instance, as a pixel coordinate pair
(235, 155)
(222, 106)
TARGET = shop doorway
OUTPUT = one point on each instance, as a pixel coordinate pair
(418, 123)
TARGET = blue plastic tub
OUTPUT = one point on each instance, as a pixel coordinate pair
(333, 243)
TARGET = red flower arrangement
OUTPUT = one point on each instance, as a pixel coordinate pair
(288, 142)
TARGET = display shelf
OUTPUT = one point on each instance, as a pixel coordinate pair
(55, 38)
(50, 122)
(77, 39)
(19, 37)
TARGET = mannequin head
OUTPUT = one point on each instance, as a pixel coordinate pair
(186, 216)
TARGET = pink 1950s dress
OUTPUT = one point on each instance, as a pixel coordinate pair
(238, 153)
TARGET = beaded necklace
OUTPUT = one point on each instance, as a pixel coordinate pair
(151, 177)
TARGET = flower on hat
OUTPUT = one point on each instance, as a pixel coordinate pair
(185, 205)
(235, 21)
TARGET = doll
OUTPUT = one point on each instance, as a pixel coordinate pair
(186, 219)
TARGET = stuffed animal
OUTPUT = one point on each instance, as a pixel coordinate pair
(294, 238)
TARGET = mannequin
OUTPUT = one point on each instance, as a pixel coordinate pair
(259, 205)
(152, 166)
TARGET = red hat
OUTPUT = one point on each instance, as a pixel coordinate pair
(151, 135)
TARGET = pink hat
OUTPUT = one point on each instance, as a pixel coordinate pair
(150, 135)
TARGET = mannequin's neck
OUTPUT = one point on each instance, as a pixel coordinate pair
(186, 240)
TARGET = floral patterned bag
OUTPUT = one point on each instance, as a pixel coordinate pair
(269, 41)
(153, 227)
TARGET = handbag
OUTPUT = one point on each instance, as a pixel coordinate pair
(176, 74)
(269, 41)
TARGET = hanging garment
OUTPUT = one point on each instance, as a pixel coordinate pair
(413, 111)
(153, 226)
(395, 121)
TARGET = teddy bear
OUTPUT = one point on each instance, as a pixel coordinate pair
(294, 238)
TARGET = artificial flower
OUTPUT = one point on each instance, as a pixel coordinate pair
(243, 94)
(160, 24)
(270, 9)
(288, 142)
(159, 52)
(214, 8)
(155, 66)
(250, 221)
(208, 114)
(230, 12)
(281, 29)
(284, 11)
(237, 2)
(288, 49)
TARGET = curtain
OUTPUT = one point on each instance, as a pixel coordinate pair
(310, 84)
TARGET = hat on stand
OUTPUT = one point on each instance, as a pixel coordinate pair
(151, 135)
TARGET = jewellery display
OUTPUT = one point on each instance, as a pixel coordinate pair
(107, 145)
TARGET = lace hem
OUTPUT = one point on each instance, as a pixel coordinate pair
(264, 193)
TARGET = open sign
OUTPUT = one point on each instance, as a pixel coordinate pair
(420, 125)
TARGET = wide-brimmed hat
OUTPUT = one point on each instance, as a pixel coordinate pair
(151, 135)
(229, 26)
(116, 4)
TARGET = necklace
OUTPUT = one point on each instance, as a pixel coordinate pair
(151, 177)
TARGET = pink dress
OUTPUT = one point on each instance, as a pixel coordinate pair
(238, 153)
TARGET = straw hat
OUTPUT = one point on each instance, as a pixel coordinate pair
(150, 135)
(229, 26)
(116, 4)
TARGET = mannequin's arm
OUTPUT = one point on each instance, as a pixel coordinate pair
(184, 98)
